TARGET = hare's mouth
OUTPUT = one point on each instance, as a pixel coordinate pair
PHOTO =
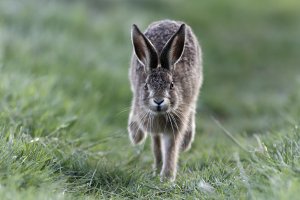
(158, 110)
(157, 113)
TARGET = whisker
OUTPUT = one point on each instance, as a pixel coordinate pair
(179, 118)
(123, 110)
(166, 123)
(151, 123)
(179, 114)
(148, 121)
(174, 121)
(171, 125)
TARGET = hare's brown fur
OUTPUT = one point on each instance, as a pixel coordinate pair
(172, 74)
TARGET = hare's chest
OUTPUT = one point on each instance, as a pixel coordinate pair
(167, 123)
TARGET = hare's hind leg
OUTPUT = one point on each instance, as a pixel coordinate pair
(189, 134)
(136, 134)
(156, 148)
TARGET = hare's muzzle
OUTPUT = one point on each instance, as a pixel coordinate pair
(159, 105)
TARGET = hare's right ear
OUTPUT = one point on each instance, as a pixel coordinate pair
(143, 48)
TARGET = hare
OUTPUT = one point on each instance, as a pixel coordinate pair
(165, 77)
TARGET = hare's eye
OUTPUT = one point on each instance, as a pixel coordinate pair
(171, 85)
(146, 86)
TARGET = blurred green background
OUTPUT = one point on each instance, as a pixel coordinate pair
(64, 89)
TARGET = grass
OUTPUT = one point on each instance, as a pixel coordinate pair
(65, 99)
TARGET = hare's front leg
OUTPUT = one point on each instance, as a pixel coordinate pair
(136, 134)
(189, 134)
(156, 148)
(171, 144)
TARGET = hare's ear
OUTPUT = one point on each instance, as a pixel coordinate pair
(173, 49)
(143, 48)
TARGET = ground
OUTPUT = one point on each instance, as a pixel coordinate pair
(65, 98)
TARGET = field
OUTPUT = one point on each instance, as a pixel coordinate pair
(65, 97)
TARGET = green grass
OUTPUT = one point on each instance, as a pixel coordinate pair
(64, 101)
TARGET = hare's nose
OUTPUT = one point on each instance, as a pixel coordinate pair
(158, 101)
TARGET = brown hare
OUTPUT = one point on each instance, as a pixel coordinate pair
(165, 76)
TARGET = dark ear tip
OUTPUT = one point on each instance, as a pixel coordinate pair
(135, 28)
(182, 27)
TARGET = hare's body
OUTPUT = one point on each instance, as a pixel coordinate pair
(166, 76)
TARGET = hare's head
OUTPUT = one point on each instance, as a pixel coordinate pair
(159, 91)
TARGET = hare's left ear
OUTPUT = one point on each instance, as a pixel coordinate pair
(173, 49)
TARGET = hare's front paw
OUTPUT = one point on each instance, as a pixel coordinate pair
(136, 135)
(167, 176)
(156, 168)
